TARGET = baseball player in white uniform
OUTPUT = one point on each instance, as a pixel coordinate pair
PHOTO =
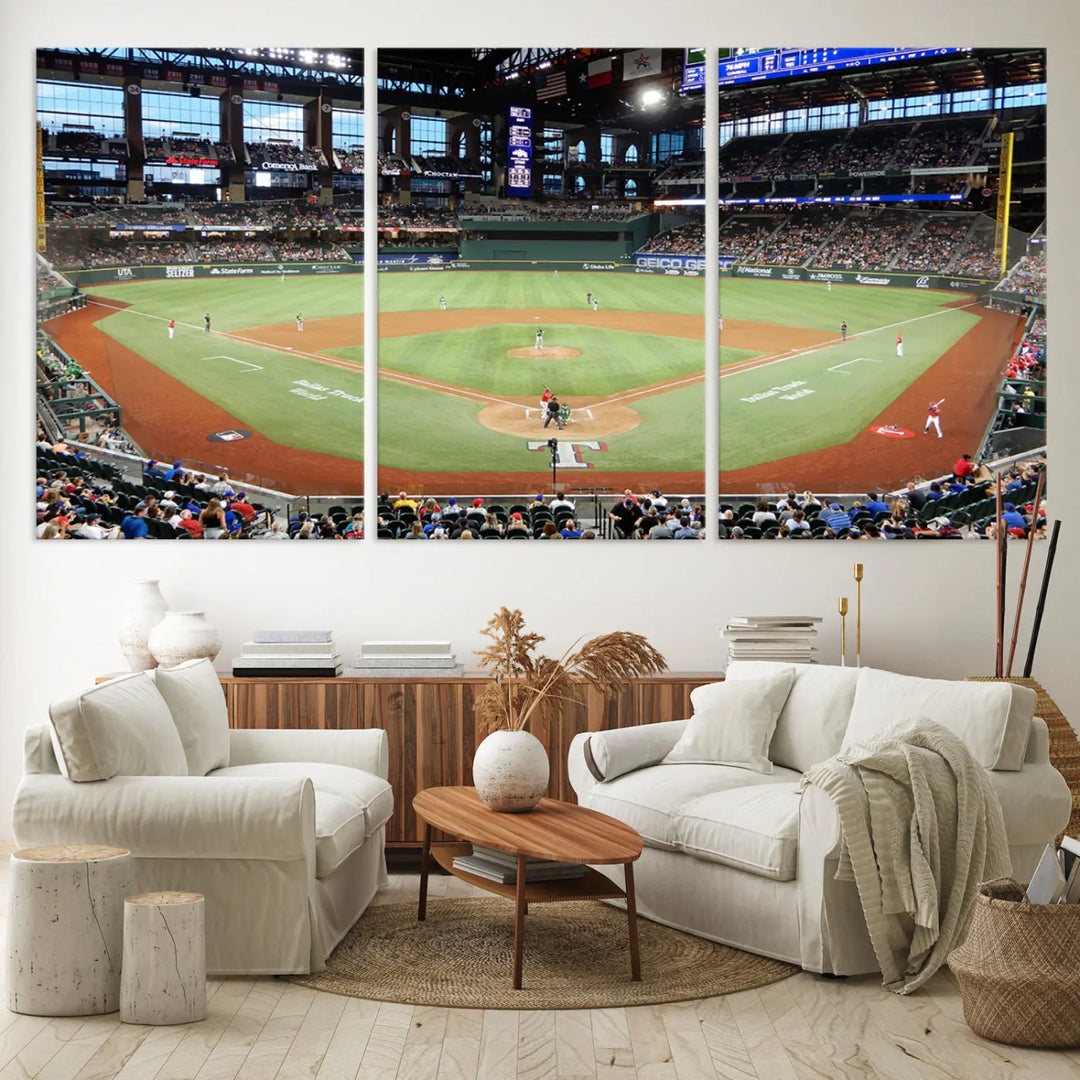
(899, 344)
(442, 303)
(299, 323)
(539, 344)
(933, 417)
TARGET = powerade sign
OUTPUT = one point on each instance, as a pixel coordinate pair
(390, 258)
(519, 152)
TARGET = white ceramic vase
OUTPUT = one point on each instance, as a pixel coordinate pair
(510, 771)
(145, 609)
(184, 635)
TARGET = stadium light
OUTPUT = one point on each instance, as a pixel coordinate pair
(652, 97)
(308, 56)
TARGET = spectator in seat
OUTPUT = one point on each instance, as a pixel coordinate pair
(763, 515)
(963, 467)
(624, 515)
(190, 523)
(134, 526)
(212, 520)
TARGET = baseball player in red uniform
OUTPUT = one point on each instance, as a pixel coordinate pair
(172, 328)
(899, 344)
(933, 417)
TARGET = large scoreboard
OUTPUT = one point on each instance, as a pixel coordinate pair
(743, 65)
(519, 151)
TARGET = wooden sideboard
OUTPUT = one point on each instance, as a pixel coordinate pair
(431, 726)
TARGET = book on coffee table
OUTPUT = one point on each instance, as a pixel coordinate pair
(502, 867)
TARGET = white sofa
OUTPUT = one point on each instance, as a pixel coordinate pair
(746, 858)
(281, 830)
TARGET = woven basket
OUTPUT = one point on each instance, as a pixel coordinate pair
(1019, 968)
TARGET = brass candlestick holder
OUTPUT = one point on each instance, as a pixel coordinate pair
(842, 608)
(858, 613)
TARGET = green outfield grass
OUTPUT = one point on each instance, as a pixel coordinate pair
(810, 407)
(238, 302)
(524, 289)
(812, 304)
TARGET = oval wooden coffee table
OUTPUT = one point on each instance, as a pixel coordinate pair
(552, 830)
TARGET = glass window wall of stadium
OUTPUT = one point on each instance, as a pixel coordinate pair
(81, 106)
(164, 114)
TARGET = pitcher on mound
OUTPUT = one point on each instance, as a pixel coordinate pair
(539, 338)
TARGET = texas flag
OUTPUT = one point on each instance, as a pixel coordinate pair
(599, 73)
(637, 63)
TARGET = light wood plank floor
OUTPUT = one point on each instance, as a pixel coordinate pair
(805, 1028)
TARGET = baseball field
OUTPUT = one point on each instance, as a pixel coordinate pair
(458, 405)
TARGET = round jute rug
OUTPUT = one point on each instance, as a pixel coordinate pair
(577, 956)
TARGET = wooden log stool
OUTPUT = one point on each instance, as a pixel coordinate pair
(65, 929)
(164, 979)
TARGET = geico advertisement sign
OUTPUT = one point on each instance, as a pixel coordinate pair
(675, 262)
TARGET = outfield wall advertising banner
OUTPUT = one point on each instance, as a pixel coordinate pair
(679, 262)
(113, 274)
(880, 279)
(390, 258)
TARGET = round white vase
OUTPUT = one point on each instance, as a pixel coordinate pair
(145, 609)
(510, 771)
(184, 635)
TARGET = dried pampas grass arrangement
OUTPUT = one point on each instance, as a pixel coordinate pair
(525, 687)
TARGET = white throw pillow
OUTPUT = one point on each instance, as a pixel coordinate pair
(121, 728)
(812, 722)
(733, 723)
(993, 720)
(193, 693)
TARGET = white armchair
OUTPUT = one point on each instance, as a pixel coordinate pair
(285, 840)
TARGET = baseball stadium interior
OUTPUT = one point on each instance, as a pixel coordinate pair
(542, 244)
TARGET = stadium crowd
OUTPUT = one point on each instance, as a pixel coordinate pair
(308, 252)
(960, 506)
(872, 147)
(224, 251)
(1028, 276)
(865, 240)
(686, 239)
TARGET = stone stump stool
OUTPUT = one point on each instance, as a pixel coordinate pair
(164, 980)
(65, 929)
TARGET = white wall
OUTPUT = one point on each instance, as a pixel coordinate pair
(928, 608)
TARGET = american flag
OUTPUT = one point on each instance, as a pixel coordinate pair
(550, 84)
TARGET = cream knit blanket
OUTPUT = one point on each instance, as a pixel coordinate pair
(921, 828)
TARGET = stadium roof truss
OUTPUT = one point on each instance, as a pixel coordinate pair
(343, 67)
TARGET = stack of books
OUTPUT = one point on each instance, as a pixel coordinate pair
(501, 866)
(787, 639)
(406, 660)
(289, 654)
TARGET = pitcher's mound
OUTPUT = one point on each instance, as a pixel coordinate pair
(586, 421)
(548, 352)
